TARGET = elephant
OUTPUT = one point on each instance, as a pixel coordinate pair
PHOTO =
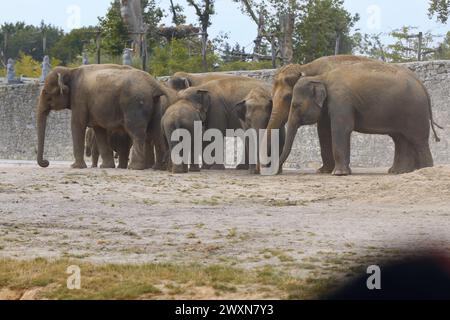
(182, 80)
(183, 115)
(285, 80)
(221, 97)
(254, 113)
(156, 148)
(371, 98)
(105, 98)
(120, 142)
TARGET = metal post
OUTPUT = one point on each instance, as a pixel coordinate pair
(419, 50)
(98, 47)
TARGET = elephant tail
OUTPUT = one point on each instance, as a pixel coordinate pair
(433, 123)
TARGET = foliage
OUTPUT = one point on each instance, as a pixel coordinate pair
(443, 52)
(70, 47)
(114, 31)
(179, 55)
(28, 67)
(441, 9)
(320, 23)
(28, 39)
(245, 65)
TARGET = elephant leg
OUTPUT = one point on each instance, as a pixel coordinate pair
(160, 155)
(341, 130)
(149, 154)
(79, 140)
(95, 154)
(194, 167)
(326, 147)
(424, 159)
(246, 164)
(104, 148)
(404, 160)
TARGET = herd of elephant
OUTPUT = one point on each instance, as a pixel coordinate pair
(124, 110)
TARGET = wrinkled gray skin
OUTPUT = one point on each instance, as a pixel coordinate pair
(219, 98)
(105, 98)
(254, 112)
(371, 98)
(120, 142)
(182, 80)
(182, 115)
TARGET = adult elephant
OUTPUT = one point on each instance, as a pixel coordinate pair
(182, 80)
(103, 97)
(369, 97)
(219, 99)
(283, 85)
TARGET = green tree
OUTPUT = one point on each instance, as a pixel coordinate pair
(71, 46)
(180, 55)
(29, 39)
(323, 30)
(443, 52)
(440, 9)
(406, 46)
(204, 11)
(114, 31)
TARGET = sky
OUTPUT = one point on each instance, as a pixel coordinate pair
(377, 16)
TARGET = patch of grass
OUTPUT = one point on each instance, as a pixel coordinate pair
(281, 255)
(286, 203)
(150, 280)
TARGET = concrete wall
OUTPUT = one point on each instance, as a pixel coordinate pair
(18, 129)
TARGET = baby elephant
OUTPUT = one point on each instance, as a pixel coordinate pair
(183, 115)
(254, 112)
(120, 142)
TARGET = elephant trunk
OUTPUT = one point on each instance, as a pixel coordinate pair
(41, 126)
(290, 137)
(277, 120)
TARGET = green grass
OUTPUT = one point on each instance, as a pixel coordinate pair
(151, 281)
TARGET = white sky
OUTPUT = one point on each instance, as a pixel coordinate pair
(377, 16)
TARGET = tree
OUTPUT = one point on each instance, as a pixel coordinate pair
(180, 55)
(323, 30)
(114, 31)
(443, 52)
(31, 40)
(441, 9)
(204, 12)
(71, 46)
(177, 17)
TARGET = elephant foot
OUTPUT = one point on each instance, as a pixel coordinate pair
(325, 170)
(396, 171)
(159, 167)
(206, 166)
(79, 165)
(216, 166)
(254, 171)
(136, 166)
(243, 166)
(194, 168)
(108, 165)
(178, 169)
(94, 166)
(123, 166)
(342, 172)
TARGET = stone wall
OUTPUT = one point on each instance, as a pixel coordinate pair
(18, 129)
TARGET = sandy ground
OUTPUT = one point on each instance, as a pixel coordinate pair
(298, 219)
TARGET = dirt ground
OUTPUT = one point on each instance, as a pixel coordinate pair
(300, 222)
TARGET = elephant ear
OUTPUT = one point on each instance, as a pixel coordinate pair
(62, 83)
(319, 93)
(241, 109)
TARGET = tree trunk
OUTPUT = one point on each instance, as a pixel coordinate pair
(286, 39)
